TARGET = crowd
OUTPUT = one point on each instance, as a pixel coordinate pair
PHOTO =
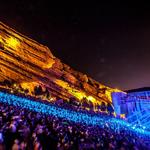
(22, 129)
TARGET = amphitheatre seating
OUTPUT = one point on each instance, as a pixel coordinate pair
(26, 129)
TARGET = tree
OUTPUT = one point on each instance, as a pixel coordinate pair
(110, 108)
(38, 90)
(103, 106)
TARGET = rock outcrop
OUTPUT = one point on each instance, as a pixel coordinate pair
(25, 61)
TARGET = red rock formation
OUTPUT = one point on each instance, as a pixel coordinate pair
(29, 63)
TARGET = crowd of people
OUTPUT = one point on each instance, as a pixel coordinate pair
(22, 129)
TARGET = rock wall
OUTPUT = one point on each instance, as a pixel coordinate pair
(24, 60)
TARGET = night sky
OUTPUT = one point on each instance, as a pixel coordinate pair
(108, 41)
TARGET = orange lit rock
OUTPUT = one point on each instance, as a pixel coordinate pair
(70, 78)
(89, 88)
(83, 77)
(58, 64)
(29, 63)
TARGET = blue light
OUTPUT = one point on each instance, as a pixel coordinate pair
(78, 117)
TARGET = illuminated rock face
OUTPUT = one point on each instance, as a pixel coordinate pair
(25, 61)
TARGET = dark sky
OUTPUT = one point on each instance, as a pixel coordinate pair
(108, 41)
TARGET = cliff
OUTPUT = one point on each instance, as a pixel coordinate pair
(29, 63)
